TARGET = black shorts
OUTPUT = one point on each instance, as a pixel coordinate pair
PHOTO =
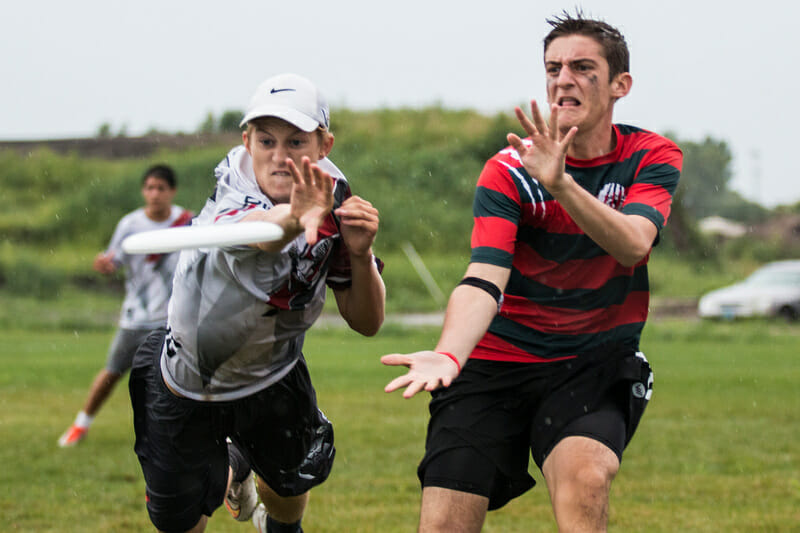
(181, 443)
(484, 425)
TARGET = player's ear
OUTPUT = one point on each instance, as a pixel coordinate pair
(326, 144)
(621, 85)
(245, 140)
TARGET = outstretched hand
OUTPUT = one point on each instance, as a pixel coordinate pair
(545, 157)
(312, 196)
(426, 370)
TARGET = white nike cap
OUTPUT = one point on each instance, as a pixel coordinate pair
(292, 98)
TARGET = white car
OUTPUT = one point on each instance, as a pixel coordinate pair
(772, 290)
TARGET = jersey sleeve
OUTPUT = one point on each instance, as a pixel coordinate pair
(496, 213)
(651, 193)
(339, 271)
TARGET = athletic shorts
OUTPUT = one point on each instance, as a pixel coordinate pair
(123, 347)
(181, 443)
(484, 425)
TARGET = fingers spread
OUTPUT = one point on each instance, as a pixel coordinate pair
(321, 179)
(524, 121)
(554, 132)
(308, 172)
(538, 119)
(396, 359)
(413, 388)
(397, 383)
(515, 143)
(567, 140)
(297, 178)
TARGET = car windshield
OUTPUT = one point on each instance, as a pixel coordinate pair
(772, 277)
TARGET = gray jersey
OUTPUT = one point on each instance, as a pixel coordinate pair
(237, 314)
(148, 278)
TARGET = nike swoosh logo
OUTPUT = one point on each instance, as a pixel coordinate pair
(273, 90)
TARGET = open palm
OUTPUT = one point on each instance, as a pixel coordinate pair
(545, 157)
(312, 196)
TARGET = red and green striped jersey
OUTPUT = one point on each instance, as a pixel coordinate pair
(566, 295)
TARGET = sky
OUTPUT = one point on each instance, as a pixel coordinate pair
(728, 70)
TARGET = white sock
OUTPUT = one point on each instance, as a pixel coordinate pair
(83, 420)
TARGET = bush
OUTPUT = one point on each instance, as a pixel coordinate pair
(29, 277)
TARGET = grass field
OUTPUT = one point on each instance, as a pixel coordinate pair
(716, 451)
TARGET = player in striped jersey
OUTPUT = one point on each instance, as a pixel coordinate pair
(539, 351)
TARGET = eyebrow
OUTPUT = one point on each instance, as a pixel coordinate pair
(571, 62)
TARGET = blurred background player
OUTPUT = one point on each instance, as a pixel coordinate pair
(148, 285)
(230, 363)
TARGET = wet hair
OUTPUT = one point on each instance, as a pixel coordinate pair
(162, 172)
(615, 49)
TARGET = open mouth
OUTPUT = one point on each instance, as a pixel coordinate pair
(568, 101)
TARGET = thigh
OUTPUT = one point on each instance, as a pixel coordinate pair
(285, 437)
(122, 349)
(606, 426)
(602, 399)
(181, 450)
(477, 440)
(448, 510)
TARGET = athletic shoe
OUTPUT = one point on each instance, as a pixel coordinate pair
(241, 499)
(260, 518)
(72, 436)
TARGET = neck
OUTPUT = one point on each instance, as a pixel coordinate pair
(593, 143)
(157, 215)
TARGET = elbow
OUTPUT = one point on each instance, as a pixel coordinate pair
(634, 255)
(368, 328)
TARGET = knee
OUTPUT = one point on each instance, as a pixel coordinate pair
(587, 482)
(594, 477)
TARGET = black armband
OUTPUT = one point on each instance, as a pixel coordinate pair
(493, 290)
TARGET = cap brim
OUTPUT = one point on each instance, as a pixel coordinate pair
(292, 116)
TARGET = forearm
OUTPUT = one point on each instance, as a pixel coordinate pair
(362, 304)
(470, 310)
(624, 237)
(282, 216)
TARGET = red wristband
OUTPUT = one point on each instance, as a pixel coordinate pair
(454, 358)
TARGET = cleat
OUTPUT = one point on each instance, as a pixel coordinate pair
(241, 499)
(260, 518)
(72, 436)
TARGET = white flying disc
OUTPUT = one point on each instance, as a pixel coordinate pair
(183, 237)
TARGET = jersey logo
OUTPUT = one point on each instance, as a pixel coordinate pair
(613, 195)
(638, 390)
(309, 261)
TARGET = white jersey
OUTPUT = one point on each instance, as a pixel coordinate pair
(148, 278)
(238, 315)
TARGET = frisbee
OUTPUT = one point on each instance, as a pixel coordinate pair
(184, 237)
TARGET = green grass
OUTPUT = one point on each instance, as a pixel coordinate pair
(717, 449)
